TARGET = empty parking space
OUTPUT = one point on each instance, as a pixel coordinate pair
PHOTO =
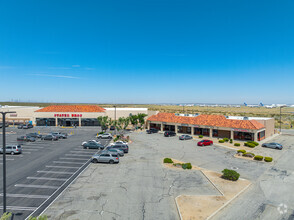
(43, 169)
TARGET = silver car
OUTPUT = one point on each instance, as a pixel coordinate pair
(12, 149)
(273, 145)
(105, 158)
(104, 136)
(114, 150)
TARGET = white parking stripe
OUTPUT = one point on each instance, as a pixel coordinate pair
(57, 172)
(67, 158)
(7, 158)
(67, 162)
(77, 155)
(26, 196)
(64, 167)
(36, 186)
(20, 208)
(33, 147)
(81, 152)
(31, 150)
(26, 152)
(46, 178)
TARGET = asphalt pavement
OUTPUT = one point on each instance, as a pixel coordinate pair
(38, 175)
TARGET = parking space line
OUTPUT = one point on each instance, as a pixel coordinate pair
(77, 155)
(56, 172)
(26, 196)
(26, 152)
(36, 186)
(20, 208)
(46, 178)
(7, 159)
(67, 162)
(70, 158)
(81, 152)
(33, 147)
(64, 167)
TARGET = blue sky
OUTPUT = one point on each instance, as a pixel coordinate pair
(154, 51)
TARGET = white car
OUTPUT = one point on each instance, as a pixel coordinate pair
(118, 142)
(105, 136)
(98, 142)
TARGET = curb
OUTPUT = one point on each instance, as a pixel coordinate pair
(213, 184)
(213, 214)
(178, 207)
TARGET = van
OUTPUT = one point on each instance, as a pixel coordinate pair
(12, 149)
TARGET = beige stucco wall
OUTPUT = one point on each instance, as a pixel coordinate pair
(269, 126)
(22, 113)
(125, 112)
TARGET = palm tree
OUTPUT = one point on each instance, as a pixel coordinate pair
(104, 122)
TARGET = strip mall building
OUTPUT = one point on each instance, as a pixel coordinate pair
(67, 115)
(218, 126)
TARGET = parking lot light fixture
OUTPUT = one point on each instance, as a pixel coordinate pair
(4, 159)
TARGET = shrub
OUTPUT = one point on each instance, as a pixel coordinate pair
(258, 157)
(115, 139)
(101, 132)
(221, 141)
(231, 141)
(42, 217)
(253, 142)
(251, 145)
(248, 154)
(245, 144)
(6, 216)
(187, 166)
(226, 139)
(200, 136)
(268, 159)
(237, 144)
(167, 160)
(230, 175)
(241, 151)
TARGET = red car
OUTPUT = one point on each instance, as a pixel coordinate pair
(205, 143)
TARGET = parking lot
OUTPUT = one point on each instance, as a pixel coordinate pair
(140, 187)
(44, 169)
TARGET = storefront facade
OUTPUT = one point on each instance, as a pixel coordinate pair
(211, 126)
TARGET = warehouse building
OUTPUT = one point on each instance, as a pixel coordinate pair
(218, 126)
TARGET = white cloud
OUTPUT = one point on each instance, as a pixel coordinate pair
(55, 76)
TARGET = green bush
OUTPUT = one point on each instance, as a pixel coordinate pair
(268, 159)
(241, 151)
(101, 132)
(237, 144)
(187, 166)
(200, 136)
(115, 139)
(230, 175)
(231, 141)
(226, 139)
(42, 217)
(253, 142)
(258, 157)
(221, 141)
(6, 216)
(167, 160)
(245, 144)
(251, 145)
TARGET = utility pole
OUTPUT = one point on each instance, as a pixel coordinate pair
(4, 160)
(115, 117)
(281, 117)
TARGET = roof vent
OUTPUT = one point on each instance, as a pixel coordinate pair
(186, 114)
(177, 114)
(245, 118)
(226, 116)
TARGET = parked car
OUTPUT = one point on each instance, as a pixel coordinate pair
(59, 135)
(118, 142)
(20, 126)
(115, 150)
(12, 149)
(152, 130)
(26, 138)
(112, 128)
(6, 125)
(27, 126)
(104, 136)
(93, 145)
(273, 145)
(205, 143)
(105, 158)
(123, 147)
(50, 137)
(185, 137)
(34, 135)
(169, 133)
(98, 142)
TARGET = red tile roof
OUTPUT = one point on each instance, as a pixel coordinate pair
(209, 120)
(72, 108)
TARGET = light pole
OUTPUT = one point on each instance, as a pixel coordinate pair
(115, 118)
(4, 160)
(281, 117)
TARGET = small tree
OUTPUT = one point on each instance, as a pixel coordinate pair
(104, 122)
(141, 118)
(134, 120)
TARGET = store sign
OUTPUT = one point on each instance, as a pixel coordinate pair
(68, 115)
(241, 130)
